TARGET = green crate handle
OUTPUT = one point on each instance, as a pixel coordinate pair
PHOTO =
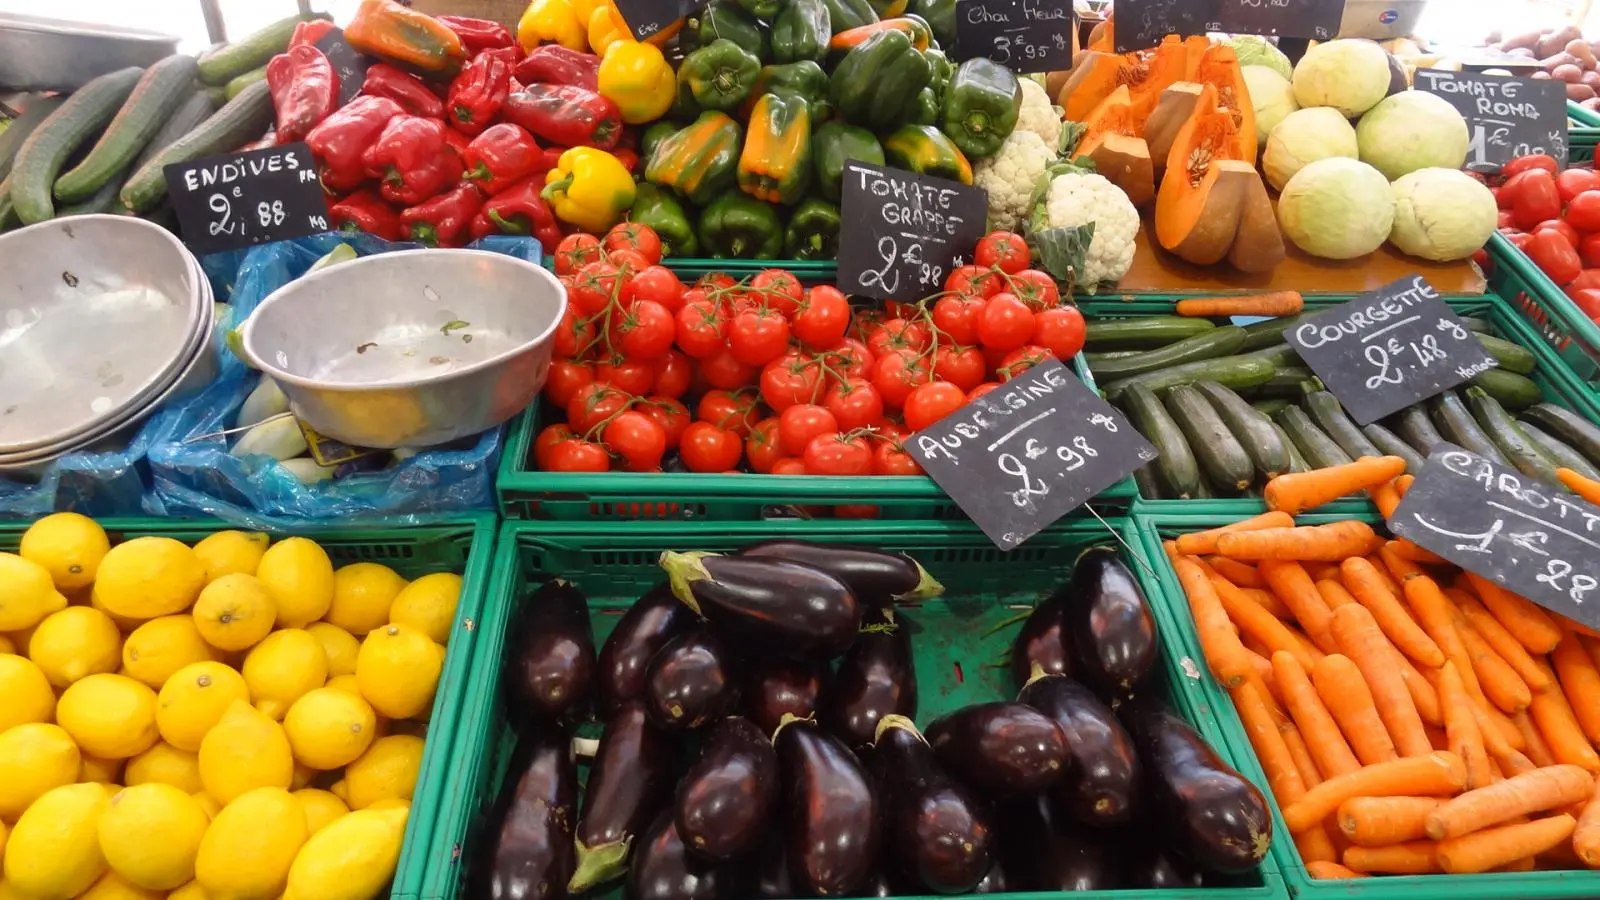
(1586, 119)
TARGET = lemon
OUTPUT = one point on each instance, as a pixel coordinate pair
(75, 643)
(303, 776)
(231, 553)
(25, 694)
(429, 605)
(150, 834)
(194, 699)
(27, 594)
(234, 612)
(96, 770)
(329, 728)
(247, 851)
(298, 577)
(282, 668)
(124, 624)
(246, 750)
(388, 769)
(160, 647)
(190, 891)
(70, 546)
(34, 758)
(165, 764)
(54, 850)
(149, 577)
(6, 646)
(321, 808)
(345, 683)
(113, 887)
(207, 803)
(351, 859)
(111, 716)
(362, 595)
(398, 670)
(391, 803)
(340, 646)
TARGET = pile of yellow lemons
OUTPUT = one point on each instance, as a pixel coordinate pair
(235, 719)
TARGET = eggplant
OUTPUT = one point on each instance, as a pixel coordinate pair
(1001, 749)
(875, 577)
(875, 678)
(767, 605)
(1046, 854)
(643, 630)
(533, 851)
(772, 879)
(1113, 634)
(1100, 786)
(662, 868)
(692, 680)
(725, 800)
(775, 687)
(938, 833)
(994, 882)
(1156, 868)
(1212, 815)
(552, 660)
(1042, 641)
(631, 780)
(831, 812)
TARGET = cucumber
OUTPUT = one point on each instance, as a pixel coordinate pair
(1513, 358)
(1297, 463)
(1514, 391)
(1558, 452)
(1512, 442)
(1250, 427)
(1285, 383)
(1145, 333)
(154, 98)
(1176, 465)
(1390, 444)
(39, 109)
(1221, 457)
(1571, 429)
(1260, 335)
(1231, 371)
(1270, 406)
(1318, 449)
(50, 146)
(1144, 478)
(236, 86)
(1210, 345)
(1459, 428)
(8, 210)
(1473, 323)
(1415, 428)
(242, 119)
(222, 64)
(193, 110)
(104, 200)
(1330, 417)
(1092, 358)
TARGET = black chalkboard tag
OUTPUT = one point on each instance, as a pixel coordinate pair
(238, 200)
(1315, 19)
(1023, 35)
(904, 233)
(348, 63)
(645, 18)
(1389, 348)
(1506, 117)
(1141, 24)
(1028, 452)
(1499, 524)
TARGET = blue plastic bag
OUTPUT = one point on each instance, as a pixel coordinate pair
(95, 484)
(195, 476)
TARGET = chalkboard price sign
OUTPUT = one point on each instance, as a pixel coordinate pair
(1506, 117)
(1141, 24)
(243, 199)
(1389, 348)
(646, 18)
(1028, 452)
(1501, 525)
(350, 65)
(904, 233)
(1024, 35)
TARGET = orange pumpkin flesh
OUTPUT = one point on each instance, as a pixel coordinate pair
(1102, 37)
(1095, 75)
(1111, 138)
(1219, 67)
(1205, 186)
(1177, 104)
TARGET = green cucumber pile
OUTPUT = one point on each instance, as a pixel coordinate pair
(1230, 407)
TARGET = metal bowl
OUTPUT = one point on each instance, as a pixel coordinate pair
(39, 54)
(409, 349)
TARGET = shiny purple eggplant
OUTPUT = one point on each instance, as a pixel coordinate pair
(1002, 749)
(643, 630)
(876, 678)
(937, 831)
(662, 868)
(1101, 784)
(767, 605)
(831, 812)
(1046, 854)
(875, 577)
(631, 780)
(775, 687)
(1113, 633)
(1042, 641)
(692, 681)
(533, 851)
(550, 655)
(727, 799)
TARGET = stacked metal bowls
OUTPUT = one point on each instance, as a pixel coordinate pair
(102, 319)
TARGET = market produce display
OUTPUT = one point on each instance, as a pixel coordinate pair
(1553, 216)
(1562, 53)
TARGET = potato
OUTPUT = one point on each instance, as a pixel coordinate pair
(1591, 103)
(1592, 79)
(1522, 52)
(1581, 49)
(1528, 39)
(1580, 92)
(1567, 72)
(1563, 58)
(1556, 40)
(1540, 75)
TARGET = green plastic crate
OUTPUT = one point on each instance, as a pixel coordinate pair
(1580, 144)
(1204, 693)
(1582, 119)
(1559, 321)
(689, 268)
(955, 639)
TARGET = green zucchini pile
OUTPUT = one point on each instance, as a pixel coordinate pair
(1230, 407)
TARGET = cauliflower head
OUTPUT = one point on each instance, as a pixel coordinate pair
(1038, 114)
(1078, 198)
(1010, 175)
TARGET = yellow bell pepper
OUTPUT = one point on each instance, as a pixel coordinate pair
(589, 188)
(583, 9)
(551, 22)
(638, 78)
(607, 26)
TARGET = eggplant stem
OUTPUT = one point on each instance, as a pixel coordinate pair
(1008, 622)
(683, 570)
(927, 587)
(896, 721)
(599, 865)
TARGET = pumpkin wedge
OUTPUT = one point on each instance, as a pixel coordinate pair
(1176, 106)
(1205, 187)
(1102, 37)
(1258, 247)
(1219, 67)
(1111, 138)
(1145, 74)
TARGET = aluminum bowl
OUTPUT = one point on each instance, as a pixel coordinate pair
(39, 54)
(409, 349)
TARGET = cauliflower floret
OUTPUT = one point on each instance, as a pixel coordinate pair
(1009, 177)
(1038, 114)
(1077, 198)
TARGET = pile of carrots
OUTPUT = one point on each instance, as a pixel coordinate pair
(1411, 718)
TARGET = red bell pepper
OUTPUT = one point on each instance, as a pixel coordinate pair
(344, 136)
(308, 33)
(555, 64)
(478, 34)
(628, 158)
(502, 155)
(566, 114)
(413, 160)
(508, 55)
(305, 90)
(365, 211)
(416, 98)
(444, 220)
(520, 210)
(478, 93)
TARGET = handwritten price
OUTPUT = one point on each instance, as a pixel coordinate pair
(1426, 352)
(1074, 457)
(888, 277)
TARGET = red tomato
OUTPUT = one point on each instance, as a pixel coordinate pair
(1519, 240)
(957, 317)
(659, 284)
(757, 337)
(897, 334)
(634, 376)
(1006, 323)
(855, 510)
(1572, 182)
(1567, 232)
(713, 281)
(762, 447)
(791, 378)
(789, 465)
(1003, 250)
(1588, 278)
(1021, 360)
(822, 318)
(644, 330)
(973, 281)
(725, 409)
(981, 389)
(961, 366)
(597, 284)
(779, 289)
(1533, 197)
(575, 251)
(931, 402)
(641, 239)
(1588, 300)
(549, 436)
(673, 375)
(897, 375)
(629, 262)
(1506, 220)
(1529, 163)
(1061, 331)
(1583, 213)
(636, 438)
(724, 370)
(592, 404)
(1035, 288)
(578, 456)
(890, 458)
(1551, 252)
(564, 380)
(798, 424)
(702, 329)
(855, 403)
(572, 333)
(1589, 250)
(707, 448)
(837, 454)
(851, 359)
(672, 416)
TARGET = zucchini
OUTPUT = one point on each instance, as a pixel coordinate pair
(1390, 444)
(1231, 371)
(1516, 392)
(1318, 449)
(1473, 323)
(1176, 464)
(1278, 355)
(1571, 429)
(1269, 407)
(222, 64)
(1204, 491)
(39, 109)
(60, 135)
(1297, 463)
(1221, 457)
(154, 98)
(1144, 478)
(1513, 358)
(242, 119)
(1459, 428)
(1503, 432)
(8, 210)
(1330, 417)
(104, 200)
(193, 110)
(1558, 452)
(1415, 428)
(1260, 335)
(1145, 333)
(1210, 345)
(1286, 383)
(237, 85)
(1250, 427)
(1092, 358)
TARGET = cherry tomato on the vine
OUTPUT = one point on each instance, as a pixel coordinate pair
(798, 424)
(712, 281)
(565, 378)
(548, 437)
(822, 318)
(1004, 250)
(763, 447)
(592, 404)
(791, 378)
(855, 403)
(931, 402)
(851, 359)
(636, 438)
(629, 262)
(962, 366)
(707, 448)
(957, 317)
(634, 376)
(674, 373)
(702, 329)
(723, 370)
(1061, 331)
(789, 465)
(981, 389)
(974, 281)
(778, 289)
(735, 411)
(575, 251)
(672, 416)
(1006, 323)
(889, 457)
(644, 330)
(597, 284)
(897, 375)
(1021, 360)
(641, 239)
(898, 334)
(837, 454)
(757, 337)
(1035, 288)
(574, 333)
(658, 283)
(575, 455)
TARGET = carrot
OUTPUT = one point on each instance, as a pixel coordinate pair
(1575, 627)
(1559, 727)
(1501, 641)
(1383, 574)
(1409, 776)
(1224, 654)
(1358, 637)
(1438, 738)
(1587, 488)
(1413, 858)
(1516, 764)
(1344, 692)
(1586, 837)
(1301, 754)
(1580, 681)
(1409, 551)
(1282, 777)
(1242, 574)
(1495, 847)
(1461, 726)
(1402, 483)
(1255, 622)
(1381, 821)
(1297, 492)
(853, 37)
(1327, 745)
(1271, 303)
(1436, 615)
(1398, 567)
(1328, 543)
(1322, 571)
(1385, 498)
(1521, 795)
(1424, 695)
(1200, 543)
(1330, 870)
(1529, 624)
(1538, 751)
(1265, 599)
(1498, 682)
(1333, 593)
(1291, 584)
(1361, 579)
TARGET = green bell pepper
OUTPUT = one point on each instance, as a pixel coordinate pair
(721, 74)
(738, 226)
(662, 212)
(835, 143)
(940, 16)
(699, 161)
(684, 107)
(801, 32)
(653, 135)
(804, 80)
(844, 15)
(943, 70)
(926, 110)
(725, 19)
(813, 231)
(981, 106)
(876, 83)
(926, 150)
(776, 163)
(765, 10)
